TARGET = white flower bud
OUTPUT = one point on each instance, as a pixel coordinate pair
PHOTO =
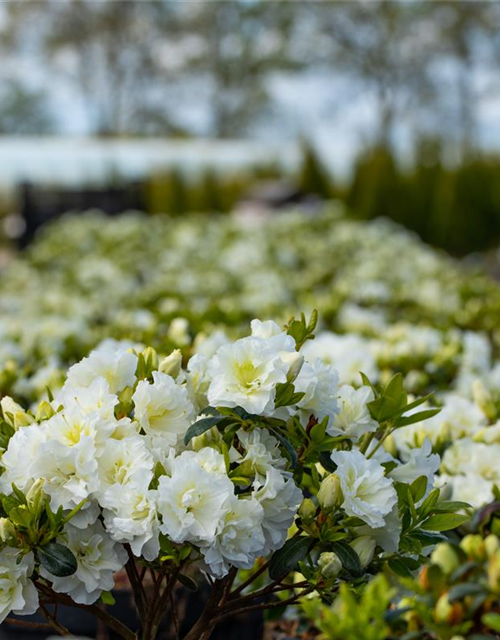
(294, 360)
(492, 544)
(35, 492)
(171, 365)
(364, 546)
(329, 565)
(7, 530)
(178, 331)
(307, 511)
(483, 399)
(445, 556)
(14, 414)
(330, 493)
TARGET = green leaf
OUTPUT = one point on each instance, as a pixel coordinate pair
(420, 416)
(107, 598)
(366, 381)
(348, 557)
(188, 582)
(200, 426)
(427, 539)
(57, 559)
(289, 448)
(460, 591)
(444, 521)
(428, 504)
(416, 403)
(491, 620)
(286, 395)
(444, 506)
(399, 568)
(418, 488)
(288, 557)
(395, 389)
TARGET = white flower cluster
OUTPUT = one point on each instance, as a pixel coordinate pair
(136, 478)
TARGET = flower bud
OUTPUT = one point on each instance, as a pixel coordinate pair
(444, 609)
(494, 572)
(483, 399)
(294, 361)
(329, 565)
(171, 365)
(364, 546)
(7, 530)
(473, 545)
(44, 411)
(151, 359)
(330, 493)
(491, 544)
(445, 556)
(35, 492)
(178, 331)
(207, 439)
(307, 511)
(14, 414)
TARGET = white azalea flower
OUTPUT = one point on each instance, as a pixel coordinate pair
(421, 462)
(130, 515)
(239, 539)
(261, 452)
(198, 380)
(70, 473)
(17, 460)
(387, 536)
(349, 354)
(245, 374)
(18, 594)
(319, 382)
(368, 494)
(472, 489)
(353, 419)
(192, 501)
(163, 408)
(98, 558)
(125, 462)
(280, 499)
(115, 364)
(95, 398)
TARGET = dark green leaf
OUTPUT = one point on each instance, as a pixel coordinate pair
(188, 582)
(289, 448)
(200, 426)
(348, 557)
(399, 568)
(57, 559)
(288, 557)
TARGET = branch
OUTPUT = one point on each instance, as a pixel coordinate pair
(136, 582)
(28, 625)
(51, 619)
(228, 612)
(112, 622)
(249, 581)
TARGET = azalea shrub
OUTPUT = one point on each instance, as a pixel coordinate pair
(255, 467)
(456, 595)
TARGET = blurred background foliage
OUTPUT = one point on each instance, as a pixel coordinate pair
(415, 84)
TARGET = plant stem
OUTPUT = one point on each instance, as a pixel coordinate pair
(109, 620)
(27, 624)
